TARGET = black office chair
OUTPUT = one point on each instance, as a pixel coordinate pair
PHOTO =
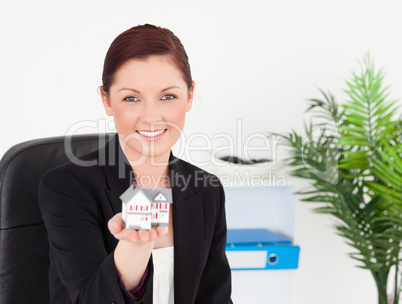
(24, 249)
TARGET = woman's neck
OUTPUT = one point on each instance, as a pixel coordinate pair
(148, 176)
(149, 171)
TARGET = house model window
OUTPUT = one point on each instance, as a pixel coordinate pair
(143, 208)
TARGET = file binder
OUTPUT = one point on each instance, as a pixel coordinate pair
(260, 249)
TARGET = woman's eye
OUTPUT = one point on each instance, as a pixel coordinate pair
(130, 98)
(169, 97)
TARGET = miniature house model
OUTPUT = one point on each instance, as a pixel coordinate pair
(143, 208)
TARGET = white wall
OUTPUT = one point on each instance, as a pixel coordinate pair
(257, 61)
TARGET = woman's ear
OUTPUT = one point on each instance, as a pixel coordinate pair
(190, 97)
(106, 102)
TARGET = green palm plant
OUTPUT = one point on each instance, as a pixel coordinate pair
(353, 159)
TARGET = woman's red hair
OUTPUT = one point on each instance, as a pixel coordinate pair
(140, 42)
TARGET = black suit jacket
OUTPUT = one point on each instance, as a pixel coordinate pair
(77, 202)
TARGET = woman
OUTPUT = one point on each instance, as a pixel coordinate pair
(147, 88)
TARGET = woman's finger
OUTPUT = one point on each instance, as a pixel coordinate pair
(161, 231)
(143, 235)
(132, 235)
(152, 235)
(115, 224)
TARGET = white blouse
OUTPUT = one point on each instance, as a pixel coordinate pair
(163, 287)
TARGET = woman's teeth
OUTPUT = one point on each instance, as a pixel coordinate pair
(151, 134)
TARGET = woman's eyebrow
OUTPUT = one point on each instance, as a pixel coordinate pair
(130, 89)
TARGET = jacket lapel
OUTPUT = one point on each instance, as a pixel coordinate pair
(188, 245)
(187, 212)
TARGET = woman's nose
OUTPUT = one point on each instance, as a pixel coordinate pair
(151, 113)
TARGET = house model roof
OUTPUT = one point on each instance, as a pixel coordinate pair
(160, 195)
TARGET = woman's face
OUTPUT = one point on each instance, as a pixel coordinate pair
(148, 96)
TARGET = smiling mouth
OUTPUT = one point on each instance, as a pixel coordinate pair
(151, 134)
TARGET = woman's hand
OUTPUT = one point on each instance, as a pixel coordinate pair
(132, 243)
(117, 229)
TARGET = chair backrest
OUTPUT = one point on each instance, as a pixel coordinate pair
(24, 249)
